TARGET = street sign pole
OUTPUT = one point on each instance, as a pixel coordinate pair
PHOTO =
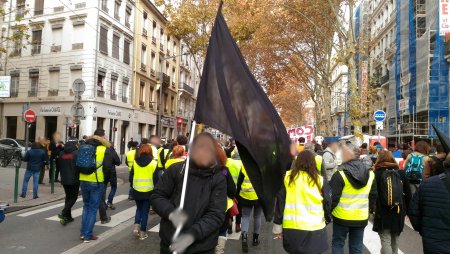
(16, 183)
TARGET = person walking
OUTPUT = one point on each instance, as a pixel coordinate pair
(36, 159)
(112, 177)
(437, 161)
(142, 183)
(329, 157)
(354, 194)
(110, 162)
(429, 212)
(177, 156)
(248, 201)
(69, 179)
(201, 218)
(234, 167)
(92, 185)
(131, 155)
(392, 202)
(55, 148)
(130, 144)
(301, 144)
(417, 165)
(42, 142)
(303, 208)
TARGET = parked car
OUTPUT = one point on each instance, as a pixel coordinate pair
(15, 143)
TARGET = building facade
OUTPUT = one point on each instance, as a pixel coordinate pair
(90, 41)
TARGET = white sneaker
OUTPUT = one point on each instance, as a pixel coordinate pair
(136, 230)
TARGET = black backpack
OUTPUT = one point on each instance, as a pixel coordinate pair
(391, 189)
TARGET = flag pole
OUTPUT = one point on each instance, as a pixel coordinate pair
(186, 172)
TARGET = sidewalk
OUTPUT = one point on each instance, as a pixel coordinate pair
(7, 178)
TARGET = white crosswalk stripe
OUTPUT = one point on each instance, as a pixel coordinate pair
(44, 209)
(79, 211)
(119, 218)
(372, 240)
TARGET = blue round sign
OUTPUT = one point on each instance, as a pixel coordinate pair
(379, 115)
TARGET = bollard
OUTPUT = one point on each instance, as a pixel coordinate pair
(52, 175)
(16, 184)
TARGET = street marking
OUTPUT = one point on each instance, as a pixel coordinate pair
(44, 209)
(234, 236)
(408, 223)
(372, 240)
(154, 229)
(78, 212)
(119, 218)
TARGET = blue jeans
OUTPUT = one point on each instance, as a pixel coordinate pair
(92, 194)
(112, 192)
(355, 239)
(26, 179)
(141, 218)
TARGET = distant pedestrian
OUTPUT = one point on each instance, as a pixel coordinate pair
(112, 178)
(363, 149)
(354, 195)
(110, 162)
(43, 146)
(36, 159)
(429, 212)
(142, 183)
(131, 156)
(69, 179)
(329, 158)
(56, 147)
(155, 141)
(303, 208)
(204, 209)
(130, 143)
(92, 184)
(392, 202)
(437, 161)
(178, 155)
(392, 147)
(417, 165)
(301, 144)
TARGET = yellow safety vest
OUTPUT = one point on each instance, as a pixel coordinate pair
(319, 160)
(154, 153)
(143, 177)
(234, 166)
(247, 190)
(98, 175)
(303, 209)
(170, 162)
(166, 155)
(131, 155)
(354, 203)
(229, 203)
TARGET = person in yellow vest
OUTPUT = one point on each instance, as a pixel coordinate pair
(303, 208)
(248, 202)
(354, 196)
(177, 156)
(92, 185)
(131, 155)
(301, 144)
(317, 158)
(234, 166)
(142, 181)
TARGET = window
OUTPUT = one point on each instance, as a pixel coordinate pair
(173, 104)
(152, 91)
(38, 7)
(34, 83)
(166, 102)
(104, 40)
(57, 39)
(153, 61)
(124, 91)
(161, 38)
(154, 30)
(174, 75)
(127, 16)
(142, 93)
(17, 51)
(105, 5)
(36, 41)
(113, 88)
(117, 9)
(175, 49)
(126, 51)
(115, 48)
(53, 81)
(14, 86)
(143, 57)
(20, 9)
(100, 81)
(144, 24)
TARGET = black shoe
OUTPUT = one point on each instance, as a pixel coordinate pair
(255, 240)
(22, 196)
(244, 242)
(130, 198)
(106, 221)
(230, 229)
(35, 197)
(110, 206)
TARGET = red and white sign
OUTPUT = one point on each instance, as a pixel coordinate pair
(364, 81)
(29, 116)
(444, 17)
(306, 131)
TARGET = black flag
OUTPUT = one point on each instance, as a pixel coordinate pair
(231, 101)
(445, 140)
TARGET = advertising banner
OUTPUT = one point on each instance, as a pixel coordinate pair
(5, 86)
(444, 17)
(306, 131)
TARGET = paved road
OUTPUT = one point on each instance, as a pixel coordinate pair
(36, 230)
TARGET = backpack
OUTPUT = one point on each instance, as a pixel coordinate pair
(414, 168)
(86, 160)
(391, 189)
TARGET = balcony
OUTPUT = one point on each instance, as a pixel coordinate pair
(113, 97)
(36, 49)
(384, 79)
(142, 104)
(32, 93)
(144, 32)
(127, 24)
(124, 99)
(154, 40)
(55, 49)
(152, 73)
(53, 92)
(143, 67)
(161, 47)
(101, 93)
(14, 94)
(173, 85)
(76, 46)
(183, 87)
(16, 52)
(389, 53)
(166, 79)
(117, 17)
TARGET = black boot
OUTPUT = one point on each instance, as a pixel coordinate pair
(255, 240)
(244, 242)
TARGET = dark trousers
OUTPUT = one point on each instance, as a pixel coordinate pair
(102, 207)
(112, 192)
(71, 197)
(355, 239)
(142, 209)
(41, 176)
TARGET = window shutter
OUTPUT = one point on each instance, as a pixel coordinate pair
(104, 40)
(126, 52)
(115, 52)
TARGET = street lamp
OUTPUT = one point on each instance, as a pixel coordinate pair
(159, 129)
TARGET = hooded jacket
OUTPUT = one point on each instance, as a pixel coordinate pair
(66, 163)
(358, 175)
(109, 159)
(142, 161)
(205, 214)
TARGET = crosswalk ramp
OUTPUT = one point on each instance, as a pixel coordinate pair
(117, 218)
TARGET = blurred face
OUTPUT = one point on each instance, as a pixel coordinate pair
(294, 150)
(204, 153)
(347, 154)
(155, 141)
(56, 137)
(333, 147)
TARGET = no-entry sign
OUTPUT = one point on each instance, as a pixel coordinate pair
(29, 116)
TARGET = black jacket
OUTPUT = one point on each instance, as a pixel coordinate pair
(385, 217)
(231, 192)
(142, 161)
(430, 214)
(205, 205)
(110, 162)
(66, 163)
(55, 149)
(302, 241)
(358, 175)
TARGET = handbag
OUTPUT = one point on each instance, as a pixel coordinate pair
(234, 210)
